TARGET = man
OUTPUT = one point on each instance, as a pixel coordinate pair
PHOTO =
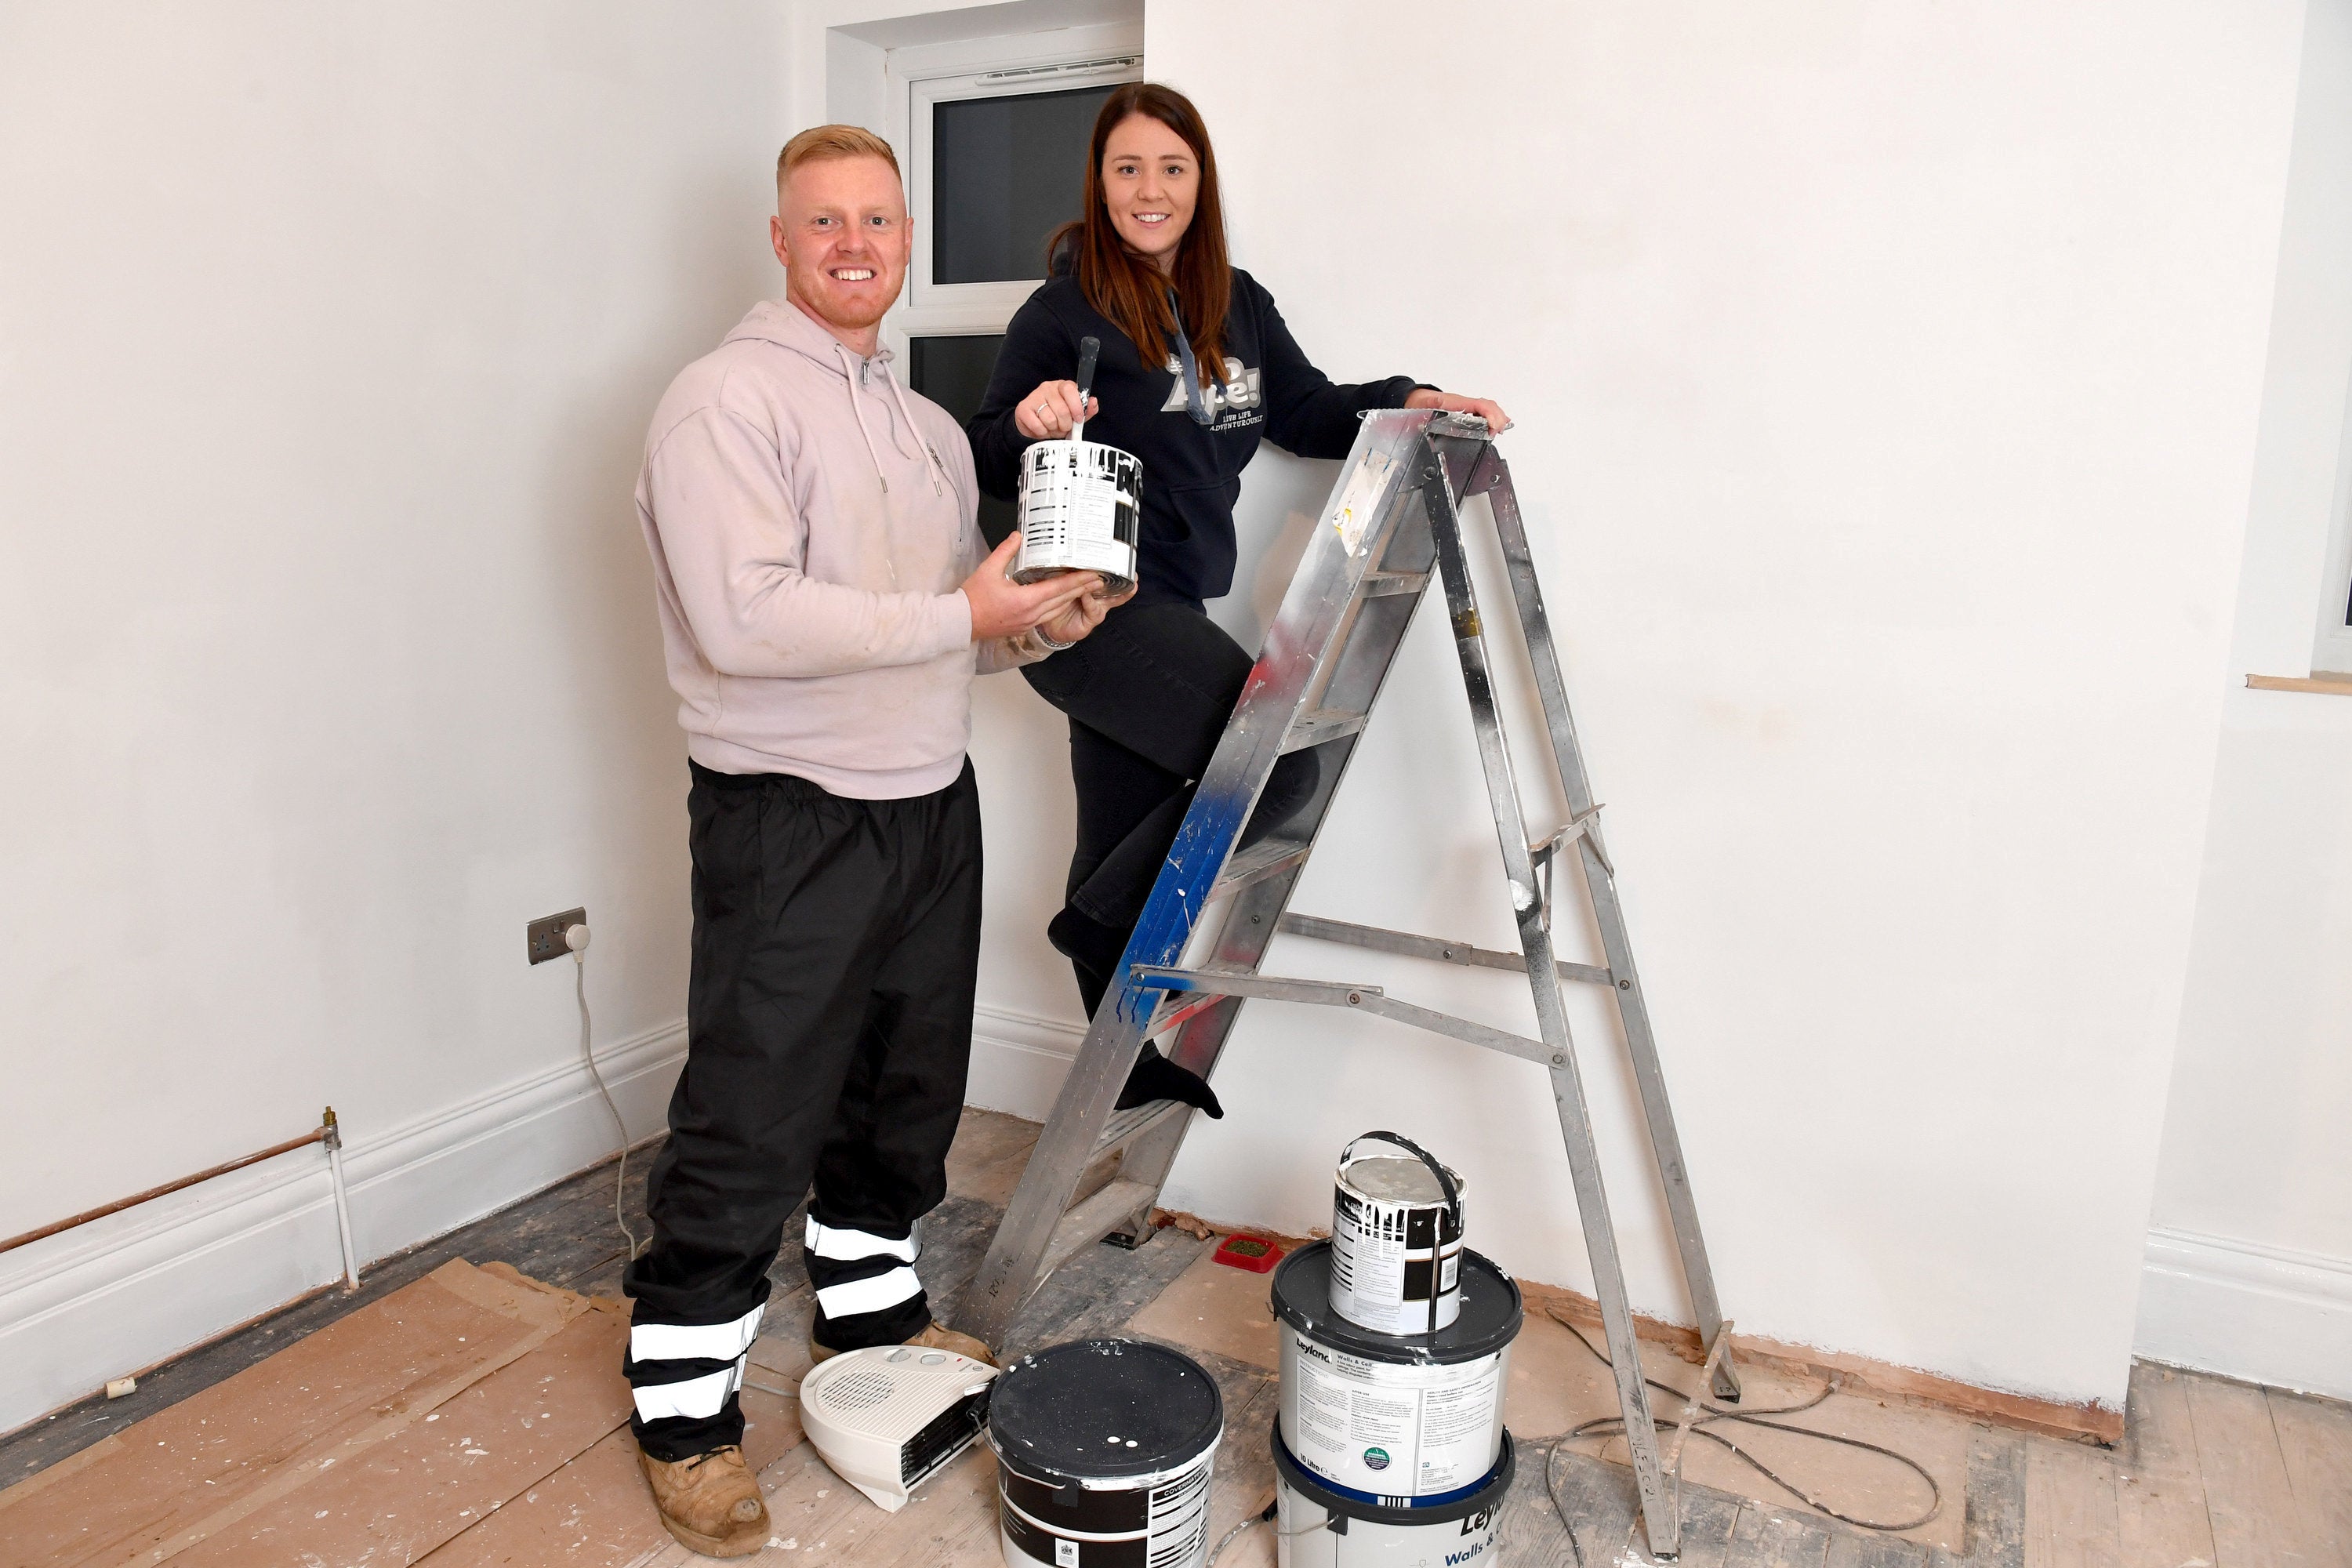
(813, 537)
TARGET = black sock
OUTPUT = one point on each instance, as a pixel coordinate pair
(1154, 1077)
(1094, 951)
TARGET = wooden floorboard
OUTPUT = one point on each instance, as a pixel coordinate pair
(2315, 1440)
(2161, 1520)
(2070, 1507)
(2249, 1500)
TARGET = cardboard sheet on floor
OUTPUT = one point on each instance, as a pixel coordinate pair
(152, 1490)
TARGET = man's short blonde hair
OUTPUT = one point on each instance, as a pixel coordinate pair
(823, 142)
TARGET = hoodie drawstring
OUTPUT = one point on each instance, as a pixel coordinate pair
(938, 471)
(857, 411)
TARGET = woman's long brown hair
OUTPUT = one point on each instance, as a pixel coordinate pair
(1129, 292)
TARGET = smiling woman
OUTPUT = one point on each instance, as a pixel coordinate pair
(1196, 368)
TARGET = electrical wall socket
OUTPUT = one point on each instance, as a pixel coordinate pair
(547, 935)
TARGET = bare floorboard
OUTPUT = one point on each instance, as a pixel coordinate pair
(2248, 1499)
(2315, 1440)
(2070, 1507)
(2160, 1520)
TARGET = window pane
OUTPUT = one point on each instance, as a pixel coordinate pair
(1006, 173)
(953, 373)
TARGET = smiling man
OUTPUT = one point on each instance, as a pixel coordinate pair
(824, 604)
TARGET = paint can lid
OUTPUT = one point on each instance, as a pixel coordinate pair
(1395, 1181)
(1102, 1412)
(1489, 1320)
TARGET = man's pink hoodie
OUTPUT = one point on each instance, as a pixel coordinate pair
(811, 525)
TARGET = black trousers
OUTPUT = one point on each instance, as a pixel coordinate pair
(1148, 696)
(836, 944)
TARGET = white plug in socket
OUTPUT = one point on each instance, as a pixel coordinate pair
(576, 938)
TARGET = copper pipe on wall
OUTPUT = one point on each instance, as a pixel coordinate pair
(326, 1132)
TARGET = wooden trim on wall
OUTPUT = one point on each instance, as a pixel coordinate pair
(2321, 680)
(2085, 1421)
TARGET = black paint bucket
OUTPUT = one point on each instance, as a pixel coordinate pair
(1103, 1452)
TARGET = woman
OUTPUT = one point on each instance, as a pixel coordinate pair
(1196, 369)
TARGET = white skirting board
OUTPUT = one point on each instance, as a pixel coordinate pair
(1019, 1060)
(130, 1289)
(2246, 1311)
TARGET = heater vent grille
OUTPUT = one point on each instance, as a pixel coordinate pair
(858, 1391)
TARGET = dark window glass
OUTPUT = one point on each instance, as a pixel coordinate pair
(953, 373)
(1006, 171)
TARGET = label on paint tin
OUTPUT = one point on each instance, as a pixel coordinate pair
(1174, 1516)
(1081, 510)
(1388, 1429)
(1382, 1262)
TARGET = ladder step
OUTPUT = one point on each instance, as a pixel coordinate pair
(1322, 724)
(1125, 1126)
(1092, 1220)
(1268, 857)
(1379, 585)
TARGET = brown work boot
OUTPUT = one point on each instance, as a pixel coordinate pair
(938, 1337)
(710, 1502)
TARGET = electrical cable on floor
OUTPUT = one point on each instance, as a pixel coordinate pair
(1271, 1506)
(1614, 1426)
(588, 1054)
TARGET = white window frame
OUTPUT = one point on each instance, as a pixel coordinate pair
(2331, 642)
(918, 77)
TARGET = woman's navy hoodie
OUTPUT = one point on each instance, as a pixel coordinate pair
(1191, 472)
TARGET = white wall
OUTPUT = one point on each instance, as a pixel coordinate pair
(327, 647)
(1887, 382)
(2249, 1265)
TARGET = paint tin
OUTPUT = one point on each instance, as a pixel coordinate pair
(1393, 1419)
(1455, 1531)
(1396, 1238)
(1103, 1449)
(1081, 506)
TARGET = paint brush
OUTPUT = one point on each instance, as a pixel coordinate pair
(1089, 349)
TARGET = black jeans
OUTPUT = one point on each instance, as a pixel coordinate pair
(1148, 696)
(837, 945)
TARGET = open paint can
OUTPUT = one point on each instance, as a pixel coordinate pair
(1396, 1238)
(1395, 1421)
(1103, 1451)
(1457, 1530)
(1081, 507)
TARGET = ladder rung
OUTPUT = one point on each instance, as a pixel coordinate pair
(1379, 585)
(1406, 944)
(1322, 724)
(1126, 1126)
(1092, 1220)
(1266, 857)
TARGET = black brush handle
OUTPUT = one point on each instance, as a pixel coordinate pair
(1089, 349)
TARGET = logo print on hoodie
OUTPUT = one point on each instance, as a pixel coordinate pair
(1239, 392)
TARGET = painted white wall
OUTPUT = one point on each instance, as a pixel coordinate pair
(2250, 1263)
(327, 647)
(1888, 382)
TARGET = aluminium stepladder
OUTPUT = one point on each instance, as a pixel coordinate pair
(1393, 522)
